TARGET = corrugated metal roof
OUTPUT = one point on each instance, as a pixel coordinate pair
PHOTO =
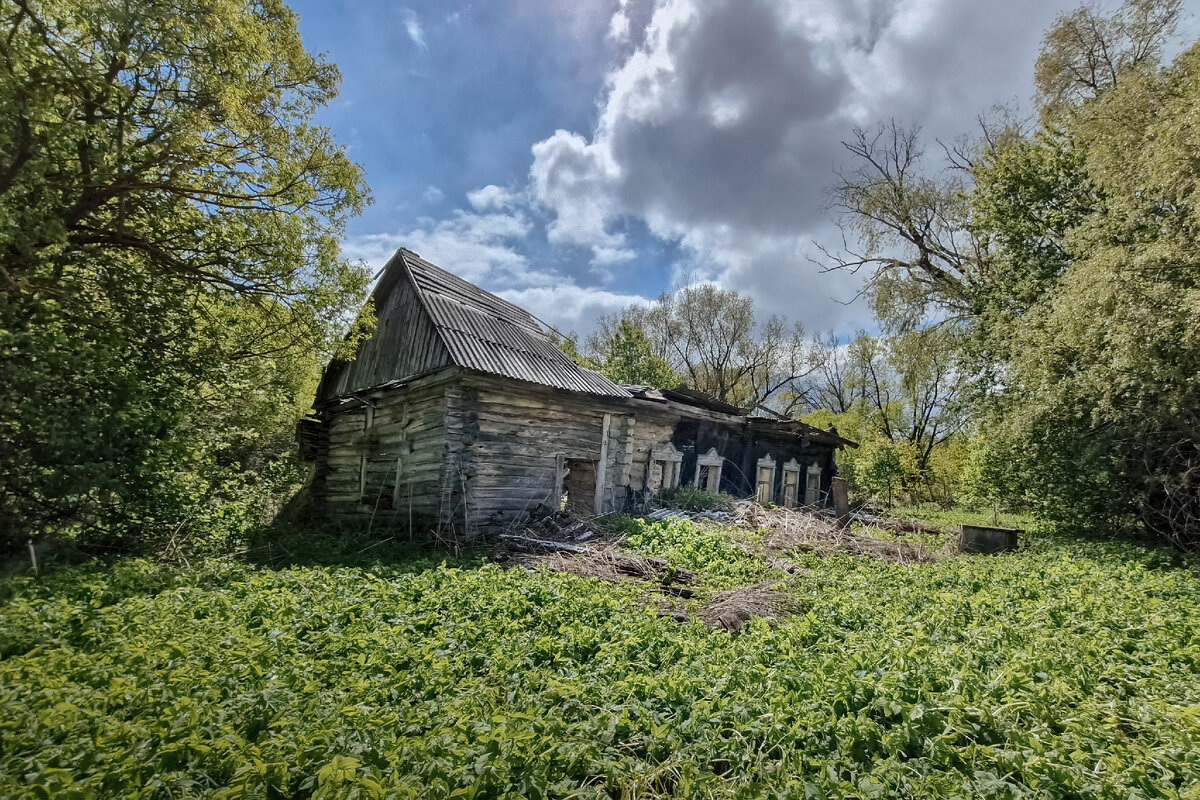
(489, 334)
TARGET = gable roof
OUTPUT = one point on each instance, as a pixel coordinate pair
(471, 328)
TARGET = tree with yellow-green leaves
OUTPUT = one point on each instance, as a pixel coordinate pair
(170, 280)
(1069, 252)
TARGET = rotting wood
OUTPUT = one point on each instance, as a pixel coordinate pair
(602, 465)
(538, 545)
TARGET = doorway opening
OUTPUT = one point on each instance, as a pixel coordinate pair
(579, 485)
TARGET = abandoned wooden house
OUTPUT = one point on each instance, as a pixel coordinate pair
(460, 413)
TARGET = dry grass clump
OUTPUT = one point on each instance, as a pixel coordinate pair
(731, 610)
(610, 563)
(603, 561)
(789, 530)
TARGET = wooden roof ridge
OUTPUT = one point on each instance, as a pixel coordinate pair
(801, 428)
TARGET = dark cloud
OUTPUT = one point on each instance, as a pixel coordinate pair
(671, 140)
(722, 129)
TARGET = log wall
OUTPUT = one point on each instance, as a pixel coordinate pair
(387, 457)
(515, 436)
(463, 453)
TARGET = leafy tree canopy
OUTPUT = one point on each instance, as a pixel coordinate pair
(1069, 252)
(169, 268)
(629, 360)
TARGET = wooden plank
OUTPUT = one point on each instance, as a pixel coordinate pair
(602, 464)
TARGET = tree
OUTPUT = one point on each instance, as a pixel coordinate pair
(836, 380)
(169, 256)
(1081, 282)
(901, 394)
(709, 336)
(913, 242)
(1085, 52)
(628, 360)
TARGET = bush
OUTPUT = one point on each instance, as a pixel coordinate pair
(691, 498)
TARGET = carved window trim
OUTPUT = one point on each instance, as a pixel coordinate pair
(791, 483)
(670, 460)
(764, 487)
(713, 461)
(812, 486)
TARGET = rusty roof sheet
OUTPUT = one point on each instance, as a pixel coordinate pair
(486, 333)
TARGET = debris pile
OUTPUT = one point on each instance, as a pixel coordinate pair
(561, 526)
(732, 609)
(900, 526)
(797, 531)
(564, 542)
(716, 515)
(604, 561)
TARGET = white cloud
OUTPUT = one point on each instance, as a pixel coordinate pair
(607, 256)
(618, 26)
(474, 246)
(721, 123)
(568, 307)
(491, 197)
(433, 195)
(412, 26)
(575, 179)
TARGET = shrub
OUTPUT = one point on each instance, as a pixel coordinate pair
(691, 498)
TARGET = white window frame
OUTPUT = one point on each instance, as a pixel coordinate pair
(670, 459)
(793, 468)
(713, 461)
(812, 486)
(766, 462)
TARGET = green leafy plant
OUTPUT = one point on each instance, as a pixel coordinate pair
(1063, 670)
(692, 498)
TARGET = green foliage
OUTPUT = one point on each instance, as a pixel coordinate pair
(988, 480)
(1103, 402)
(1063, 670)
(571, 349)
(1070, 256)
(901, 398)
(692, 498)
(879, 468)
(710, 339)
(171, 279)
(950, 519)
(708, 549)
(627, 359)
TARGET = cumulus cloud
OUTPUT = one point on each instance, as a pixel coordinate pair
(577, 180)
(484, 247)
(491, 197)
(473, 246)
(568, 307)
(721, 123)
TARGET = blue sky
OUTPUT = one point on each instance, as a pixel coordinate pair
(578, 156)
